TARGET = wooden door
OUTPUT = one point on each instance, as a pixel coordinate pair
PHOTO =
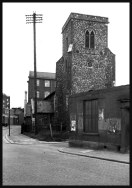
(91, 116)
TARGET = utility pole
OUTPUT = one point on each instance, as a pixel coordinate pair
(34, 18)
(9, 117)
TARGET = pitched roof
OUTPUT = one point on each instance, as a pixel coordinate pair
(47, 75)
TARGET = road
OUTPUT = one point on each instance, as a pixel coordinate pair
(43, 164)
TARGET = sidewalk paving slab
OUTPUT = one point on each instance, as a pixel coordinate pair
(99, 154)
(103, 154)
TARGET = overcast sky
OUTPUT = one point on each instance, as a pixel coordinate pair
(18, 40)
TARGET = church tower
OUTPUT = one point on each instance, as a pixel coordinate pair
(86, 62)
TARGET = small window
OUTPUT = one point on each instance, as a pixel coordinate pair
(46, 93)
(92, 40)
(90, 64)
(47, 83)
(87, 39)
(37, 94)
(37, 82)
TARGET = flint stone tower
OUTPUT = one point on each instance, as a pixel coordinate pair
(86, 63)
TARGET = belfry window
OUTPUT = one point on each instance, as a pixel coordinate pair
(89, 39)
(92, 39)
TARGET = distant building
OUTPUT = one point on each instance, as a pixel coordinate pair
(87, 62)
(5, 109)
(16, 116)
(46, 83)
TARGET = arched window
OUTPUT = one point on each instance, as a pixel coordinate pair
(87, 39)
(92, 40)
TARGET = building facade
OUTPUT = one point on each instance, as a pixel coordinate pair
(18, 113)
(5, 109)
(87, 62)
(100, 118)
(46, 83)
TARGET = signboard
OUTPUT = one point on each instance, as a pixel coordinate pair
(42, 107)
(101, 114)
(73, 125)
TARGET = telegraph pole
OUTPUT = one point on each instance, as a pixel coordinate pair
(9, 117)
(34, 18)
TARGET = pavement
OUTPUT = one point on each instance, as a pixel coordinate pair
(63, 147)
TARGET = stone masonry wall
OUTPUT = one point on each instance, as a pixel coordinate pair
(82, 69)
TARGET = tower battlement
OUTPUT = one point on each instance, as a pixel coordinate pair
(86, 17)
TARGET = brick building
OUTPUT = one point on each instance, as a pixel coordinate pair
(86, 64)
(100, 118)
(5, 109)
(46, 83)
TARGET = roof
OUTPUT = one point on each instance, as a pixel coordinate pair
(47, 75)
(86, 17)
(99, 91)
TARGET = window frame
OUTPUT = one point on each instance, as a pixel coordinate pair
(38, 94)
(45, 83)
(88, 34)
(38, 82)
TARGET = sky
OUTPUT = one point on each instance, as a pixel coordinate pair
(17, 41)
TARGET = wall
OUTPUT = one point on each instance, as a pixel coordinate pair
(73, 73)
(41, 88)
(109, 115)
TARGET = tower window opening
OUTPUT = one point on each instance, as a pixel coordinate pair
(89, 39)
(92, 40)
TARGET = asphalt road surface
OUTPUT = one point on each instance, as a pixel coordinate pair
(43, 164)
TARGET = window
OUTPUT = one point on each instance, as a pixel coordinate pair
(37, 82)
(92, 40)
(47, 83)
(89, 39)
(46, 93)
(37, 94)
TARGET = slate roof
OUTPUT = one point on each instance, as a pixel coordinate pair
(47, 75)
